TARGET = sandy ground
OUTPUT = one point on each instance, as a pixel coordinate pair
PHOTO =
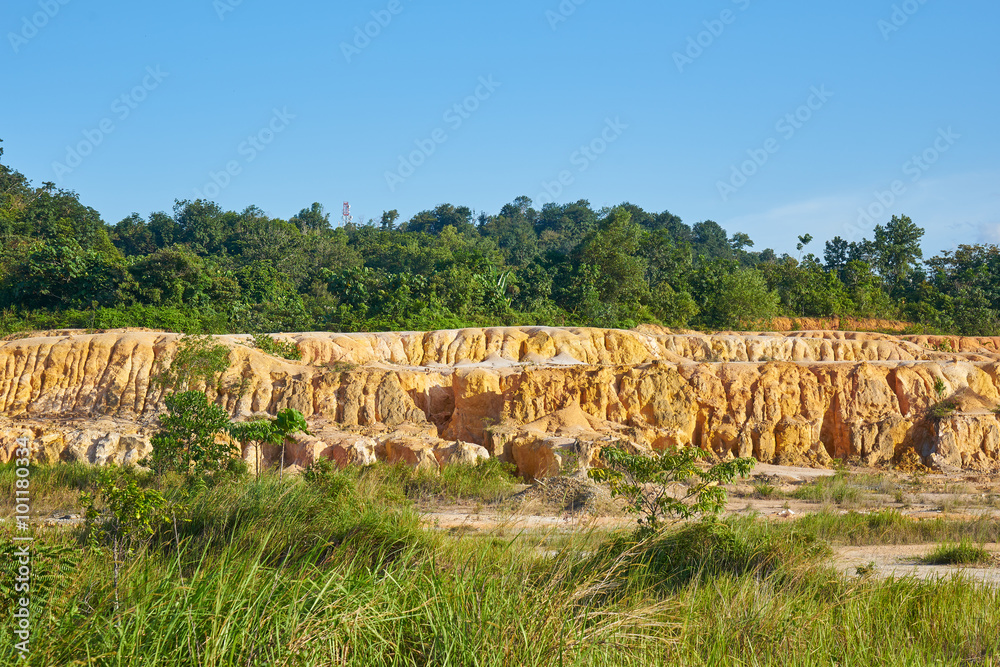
(904, 560)
(922, 497)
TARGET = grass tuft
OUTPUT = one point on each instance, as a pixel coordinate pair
(765, 490)
(837, 488)
(943, 409)
(962, 553)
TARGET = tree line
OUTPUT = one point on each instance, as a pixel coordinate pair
(202, 269)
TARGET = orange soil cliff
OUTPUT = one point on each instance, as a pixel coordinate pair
(541, 397)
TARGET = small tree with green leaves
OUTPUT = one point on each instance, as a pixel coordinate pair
(645, 483)
(122, 517)
(187, 442)
(255, 432)
(272, 432)
(287, 422)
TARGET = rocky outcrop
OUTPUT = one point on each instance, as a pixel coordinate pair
(543, 398)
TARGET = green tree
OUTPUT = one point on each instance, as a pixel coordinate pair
(806, 288)
(388, 220)
(122, 516)
(62, 274)
(710, 239)
(287, 422)
(132, 236)
(674, 309)
(896, 250)
(198, 362)
(254, 433)
(514, 235)
(173, 276)
(258, 432)
(736, 298)
(836, 255)
(560, 229)
(188, 440)
(201, 225)
(445, 215)
(866, 292)
(312, 220)
(614, 250)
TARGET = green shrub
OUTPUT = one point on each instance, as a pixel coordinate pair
(939, 388)
(122, 517)
(707, 550)
(199, 361)
(943, 409)
(278, 348)
(627, 476)
(287, 521)
(324, 475)
(765, 490)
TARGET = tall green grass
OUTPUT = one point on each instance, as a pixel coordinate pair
(839, 489)
(490, 482)
(892, 527)
(336, 569)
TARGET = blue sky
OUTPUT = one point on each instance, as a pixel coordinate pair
(772, 118)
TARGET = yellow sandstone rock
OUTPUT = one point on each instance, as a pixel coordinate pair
(544, 398)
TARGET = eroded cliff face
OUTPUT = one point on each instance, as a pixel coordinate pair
(540, 397)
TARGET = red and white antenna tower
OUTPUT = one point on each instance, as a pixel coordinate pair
(348, 219)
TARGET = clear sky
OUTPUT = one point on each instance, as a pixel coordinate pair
(772, 118)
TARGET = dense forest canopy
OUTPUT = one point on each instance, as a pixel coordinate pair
(203, 269)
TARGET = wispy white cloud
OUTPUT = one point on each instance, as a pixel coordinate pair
(990, 233)
(953, 210)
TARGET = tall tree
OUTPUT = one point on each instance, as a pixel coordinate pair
(312, 220)
(896, 250)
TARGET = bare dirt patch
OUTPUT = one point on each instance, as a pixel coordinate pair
(906, 560)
